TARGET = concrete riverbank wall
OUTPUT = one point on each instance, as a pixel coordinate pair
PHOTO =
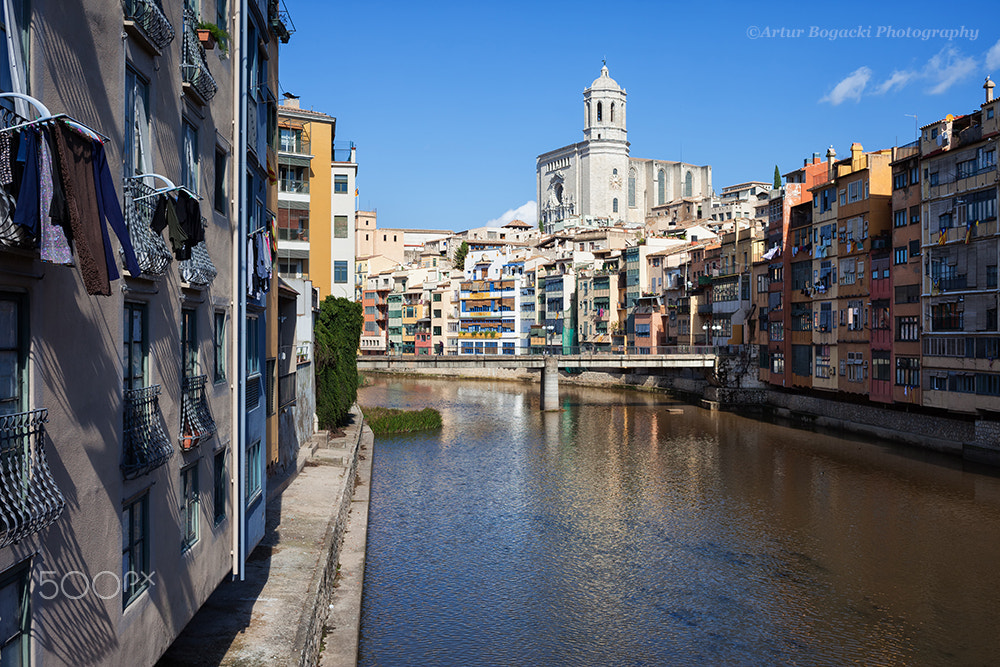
(976, 439)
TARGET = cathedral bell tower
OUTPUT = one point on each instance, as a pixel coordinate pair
(604, 110)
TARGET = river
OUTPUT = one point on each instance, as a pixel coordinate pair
(631, 530)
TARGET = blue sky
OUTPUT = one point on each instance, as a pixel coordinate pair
(449, 103)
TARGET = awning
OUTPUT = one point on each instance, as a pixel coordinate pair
(294, 160)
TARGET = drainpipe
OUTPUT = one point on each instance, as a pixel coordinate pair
(240, 299)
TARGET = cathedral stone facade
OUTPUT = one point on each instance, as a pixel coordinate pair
(596, 183)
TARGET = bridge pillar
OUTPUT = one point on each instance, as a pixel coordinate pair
(550, 384)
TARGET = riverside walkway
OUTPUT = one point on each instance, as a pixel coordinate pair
(691, 357)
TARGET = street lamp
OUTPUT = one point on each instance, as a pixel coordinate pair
(548, 338)
(716, 330)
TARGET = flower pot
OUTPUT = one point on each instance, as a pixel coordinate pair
(206, 39)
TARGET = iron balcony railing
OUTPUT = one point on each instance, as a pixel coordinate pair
(146, 446)
(148, 15)
(198, 270)
(150, 249)
(196, 419)
(194, 66)
(29, 497)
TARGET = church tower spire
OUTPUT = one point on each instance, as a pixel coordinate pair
(604, 110)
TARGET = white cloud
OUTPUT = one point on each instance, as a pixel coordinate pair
(898, 79)
(947, 68)
(993, 57)
(527, 212)
(850, 88)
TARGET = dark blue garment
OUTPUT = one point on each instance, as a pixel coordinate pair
(26, 212)
(110, 210)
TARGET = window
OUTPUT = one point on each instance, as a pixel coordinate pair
(253, 346)
(340, 184)
(915, 248)
(340, 226)
(932, 179)
(190, 502)
(854, 192)
(899, 218)
(340, 271)
(899, 180)
(989, 113)
(881, 365)
(254, 466)
(823, 362)
(688, 189)
(907, 371)
(136, 151)
(600, 113)
(135, 346)
(135, 548)
(219, 346)
(631, 188)
(221, 13)
(778, 362)
(802, 360)
(15, 611)
(221, 159)
(991, 276)
(189, 342)
(907, 328)
(220, 484)
(900, 255)
(189, 159)
(843, 197)
(661, 184)
(614, 205)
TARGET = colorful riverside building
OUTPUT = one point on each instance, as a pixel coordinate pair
(906, 274)
(490, 305)
(961, 244)
(776, 346)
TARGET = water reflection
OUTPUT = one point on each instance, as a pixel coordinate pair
(620, 532)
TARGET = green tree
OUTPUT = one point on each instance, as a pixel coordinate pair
(777, 178)
(460, 254)
(337, 335)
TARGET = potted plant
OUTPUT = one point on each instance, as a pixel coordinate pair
(209, 34)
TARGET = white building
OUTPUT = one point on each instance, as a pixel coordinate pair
(595, 182)
(343, 243)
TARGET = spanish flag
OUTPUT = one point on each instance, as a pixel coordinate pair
(355, 192)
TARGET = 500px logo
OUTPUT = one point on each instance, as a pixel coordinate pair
(105, 584)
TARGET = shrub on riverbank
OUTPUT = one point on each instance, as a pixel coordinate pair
(337, 333)
(392, 420)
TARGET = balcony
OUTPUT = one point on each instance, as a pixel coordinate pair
(146, 446)
(196, 419)
(144, 19)
(194, 67)
(343, 151)
(293, 186)
(280, 20)
(150, 249)
(198, 270)
(29, 497)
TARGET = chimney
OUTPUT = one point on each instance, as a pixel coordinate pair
(291, 103)
(856, 152)
(988, 87)
(816, 159)
(830, 154)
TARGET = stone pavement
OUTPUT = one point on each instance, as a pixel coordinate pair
(278, 614)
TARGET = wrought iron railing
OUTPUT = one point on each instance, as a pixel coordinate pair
(150, 249)
(146, 446)
(198, 270)
(29, 497)
(194, 66)
(196, 419)
(148, 15)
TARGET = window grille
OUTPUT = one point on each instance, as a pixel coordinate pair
(29, 497)
(198, 270)
(150, 249)
(148, 15)
(146, 446)
(196, 419)
(194, 68)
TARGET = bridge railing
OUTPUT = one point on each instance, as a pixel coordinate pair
(587, 351)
